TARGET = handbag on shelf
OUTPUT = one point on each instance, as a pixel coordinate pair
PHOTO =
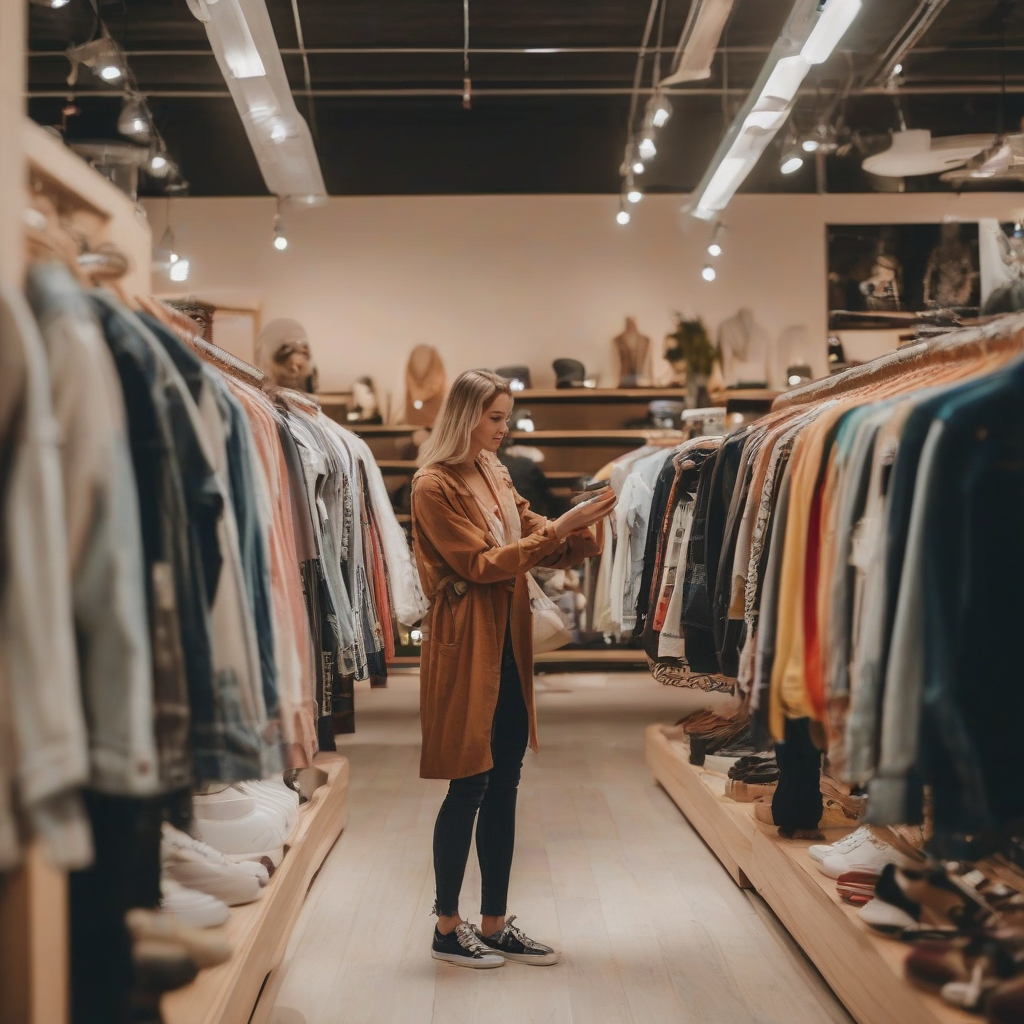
(549, 632)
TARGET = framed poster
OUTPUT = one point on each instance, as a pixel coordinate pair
(888, 272)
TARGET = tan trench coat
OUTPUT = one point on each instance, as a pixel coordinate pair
(471, 582)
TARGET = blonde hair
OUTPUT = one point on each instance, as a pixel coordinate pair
(472, 392)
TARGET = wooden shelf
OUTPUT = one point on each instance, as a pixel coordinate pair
(382, 429)
(259, 932)
(598, 394)
(864, 969)
(636, 437)
(397, 465)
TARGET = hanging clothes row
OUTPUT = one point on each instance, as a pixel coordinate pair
(851, 565)
(196, 566)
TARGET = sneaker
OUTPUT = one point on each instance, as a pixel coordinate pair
(465, 948)
(196, 865)
(854, 839)
(191, 907)
(206, 949)
(240, 826)
(871, 855)
(513, 944)
(280, 796)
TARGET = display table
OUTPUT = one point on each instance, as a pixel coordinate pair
(864, 969)
(259, 932)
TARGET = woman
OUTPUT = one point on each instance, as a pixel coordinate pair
(475, 539)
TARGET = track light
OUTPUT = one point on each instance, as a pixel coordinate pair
(103, 57)
(133, 121)
(809, 145)
(647, 149)
(792, 158)
(280, 239)
(708, 273)
(662, 112)
(622, 217)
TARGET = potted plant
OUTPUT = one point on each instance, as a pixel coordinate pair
(691, 354)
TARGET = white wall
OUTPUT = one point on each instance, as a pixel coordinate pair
(492, 280)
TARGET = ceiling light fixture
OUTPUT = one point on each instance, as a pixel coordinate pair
(179, 270)
(715, 246)
(102, 56)
(133, 121)
(897, 70)
(634, 195)
(622, 217)
(51, 4)
(280, 238)
(242, 38)
(647, 148)
(659, 110)
(791, 162)
(708, 273)
(833, 21)
(768, 105)
(638, 167)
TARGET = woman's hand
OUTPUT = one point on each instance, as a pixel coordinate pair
(583, 516)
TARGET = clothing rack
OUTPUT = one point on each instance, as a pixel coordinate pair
(34, 898)
(998, 334)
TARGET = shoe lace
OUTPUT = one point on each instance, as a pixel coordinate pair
(469, 940)
(511, 931)
(853, 840)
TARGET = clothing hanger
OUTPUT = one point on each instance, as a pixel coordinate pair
(1002, 334)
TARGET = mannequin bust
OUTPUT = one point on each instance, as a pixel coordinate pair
(743, 345)
(364, 401)
(425, 385)
(634, 352)
(283, 353)
(950, 276)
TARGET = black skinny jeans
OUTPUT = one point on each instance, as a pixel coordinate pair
(493, 795)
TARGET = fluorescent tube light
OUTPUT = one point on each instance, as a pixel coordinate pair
(785, 80)
(723, 184)
(240, 53)
(830, 27)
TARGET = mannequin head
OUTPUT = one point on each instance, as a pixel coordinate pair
(284, 354)
(363, 396)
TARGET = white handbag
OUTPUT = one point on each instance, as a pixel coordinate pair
(549, 632)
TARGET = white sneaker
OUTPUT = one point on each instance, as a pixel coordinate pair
(823, 850)
(191, 907)
(870, 855)
(239, 827)
(198, 866)
(281, 797)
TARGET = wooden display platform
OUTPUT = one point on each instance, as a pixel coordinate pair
(864, 969)
(260, 931)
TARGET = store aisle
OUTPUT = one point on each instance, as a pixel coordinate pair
(652, 927)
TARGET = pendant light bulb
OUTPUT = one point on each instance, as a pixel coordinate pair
(133, 121)
(708, 273)
(662, 112)
(647, 148)
(280, 238)
(714, 249)
(622, 217)
(638, 167)
(634, 195)
(179, 269)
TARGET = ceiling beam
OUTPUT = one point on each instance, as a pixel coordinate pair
(958, 89)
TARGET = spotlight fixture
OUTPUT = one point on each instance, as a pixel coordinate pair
(179, 269)
(822, 138)
(809, 145)
(280, 238)
(715, 246)
(622, 217)
(662, 112)
(103, 57)
(647, 148)
(792, 159)
(708, 273)
(133, 121)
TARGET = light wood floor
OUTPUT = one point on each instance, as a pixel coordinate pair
(607, 869)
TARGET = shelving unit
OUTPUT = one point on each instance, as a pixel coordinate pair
(864, 969)
(259, 932)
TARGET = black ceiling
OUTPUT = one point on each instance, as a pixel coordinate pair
(393, 123)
